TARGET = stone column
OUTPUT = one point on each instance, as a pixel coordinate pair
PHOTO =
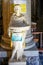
(29, 15)
(6, 13)
(6, 20)
(29, 11)
(29, 36)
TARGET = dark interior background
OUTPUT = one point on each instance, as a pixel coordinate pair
(37, 13)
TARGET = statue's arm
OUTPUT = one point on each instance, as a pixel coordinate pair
(9, 32)
(10, 24)
(11, 20)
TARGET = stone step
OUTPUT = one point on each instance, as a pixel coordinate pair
(17, 63)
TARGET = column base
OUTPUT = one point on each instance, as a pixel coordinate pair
(5, 43)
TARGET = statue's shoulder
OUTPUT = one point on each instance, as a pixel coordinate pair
(13, 14)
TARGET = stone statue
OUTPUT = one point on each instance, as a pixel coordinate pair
(17, 20)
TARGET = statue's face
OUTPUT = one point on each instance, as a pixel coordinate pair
(17, 8)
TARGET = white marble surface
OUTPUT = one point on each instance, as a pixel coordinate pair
(31, 53)
(17, 63)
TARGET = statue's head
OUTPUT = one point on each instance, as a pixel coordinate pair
(17, 9)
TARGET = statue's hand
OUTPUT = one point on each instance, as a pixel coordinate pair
(9, 33)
